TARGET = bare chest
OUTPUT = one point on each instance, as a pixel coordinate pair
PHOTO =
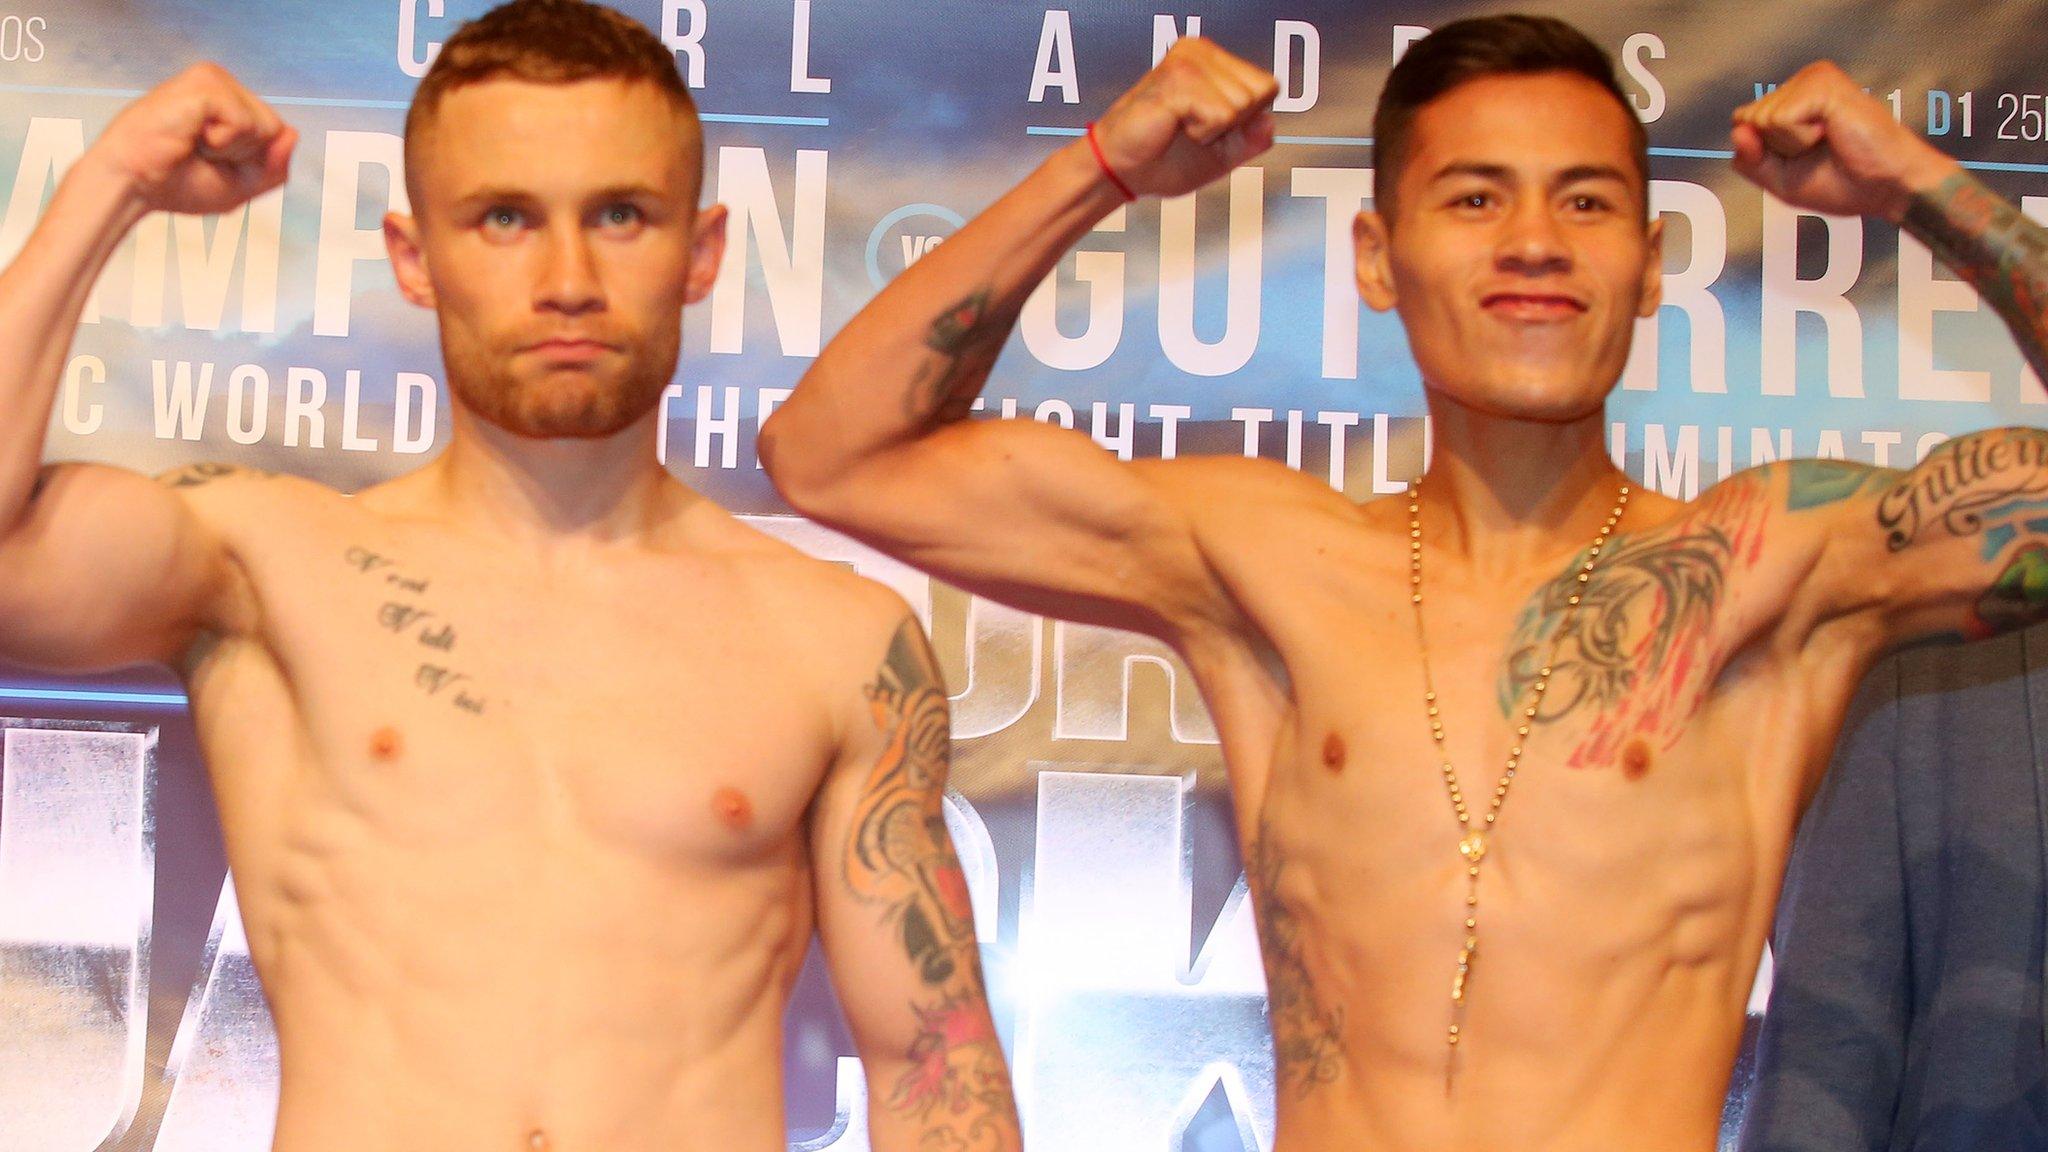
(449, 699)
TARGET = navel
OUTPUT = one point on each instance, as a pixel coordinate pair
(1333, 752)
(1636, 759)
(385, 744)
(537, 1141)
(734, 810)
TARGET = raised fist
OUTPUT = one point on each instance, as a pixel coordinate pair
(1200, 113)
(1821, 143)
(198, 143)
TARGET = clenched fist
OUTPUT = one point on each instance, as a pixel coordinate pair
(1821, 143)
(199, 143)
(1200, 113)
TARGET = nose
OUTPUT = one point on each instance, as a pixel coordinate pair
(568, 282)
(1531, 241)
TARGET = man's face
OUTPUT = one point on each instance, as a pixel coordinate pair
(1518, 258)
(556, 233)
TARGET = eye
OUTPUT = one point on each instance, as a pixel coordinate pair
(1586, 203)
(621, 217)
(502, 220)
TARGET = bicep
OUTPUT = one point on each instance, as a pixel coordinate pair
(1956, 547)
(893, 911)
(1035, 516)
(104, 568)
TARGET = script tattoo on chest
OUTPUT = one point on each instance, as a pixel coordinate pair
(1645, 645)
(406, 615)
(899, 857)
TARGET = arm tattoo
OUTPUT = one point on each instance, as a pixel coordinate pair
(966, 338)
(1998, 250)
(1645, 644)
(1965, 483)
(898, 856)
(1308, 1045)
(196, 475)
(1992, 486)
(1818, 483)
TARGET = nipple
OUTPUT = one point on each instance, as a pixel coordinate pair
(385, 744)
(1333, 753)
(734, 810)
(1636, 759)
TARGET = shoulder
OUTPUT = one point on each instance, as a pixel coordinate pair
(838, 624)
(221, 494)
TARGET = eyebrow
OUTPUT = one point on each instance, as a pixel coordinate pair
(1502, 174)
(503, 195)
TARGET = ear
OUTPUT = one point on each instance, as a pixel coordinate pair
(707, 251)
(408, 258)
(1372, 242)
(1653, 272)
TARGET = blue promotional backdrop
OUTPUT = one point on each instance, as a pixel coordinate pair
(848, 137)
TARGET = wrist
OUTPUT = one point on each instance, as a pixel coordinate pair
(1925, 170)
(1077, 168)
(106, 187)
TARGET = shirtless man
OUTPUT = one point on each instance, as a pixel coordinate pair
(1573, 977)
(536, 768)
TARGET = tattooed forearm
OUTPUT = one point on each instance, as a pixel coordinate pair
(407, 618)
(1998, 250)
(899, 857)
(1308, 1045)
(1964, 484)
(965, 340)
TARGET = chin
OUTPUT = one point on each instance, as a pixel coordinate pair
(1535, 401)
(557, 409)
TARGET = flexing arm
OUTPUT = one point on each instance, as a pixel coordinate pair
(1822, 143)
(1958, 545)
(99, 567)
(897, 926)
(876, 442)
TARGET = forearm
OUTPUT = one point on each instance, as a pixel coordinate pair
(971, 1111)
(42, 294)
(915, 358)
(1992, 245)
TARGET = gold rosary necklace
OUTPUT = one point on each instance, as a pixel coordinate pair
(1473, 843)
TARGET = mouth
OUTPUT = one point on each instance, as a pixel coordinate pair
(569, 349)
(1533, 307)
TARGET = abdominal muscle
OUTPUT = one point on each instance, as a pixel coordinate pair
(599, 1011)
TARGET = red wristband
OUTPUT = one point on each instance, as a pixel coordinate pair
(1102, 161)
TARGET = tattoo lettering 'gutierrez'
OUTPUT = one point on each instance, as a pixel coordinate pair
(1964, 483)
(967, 338)
(406, 617)
(1998, 250)
(899, 856)
(1308, 1047)
(1642, 649)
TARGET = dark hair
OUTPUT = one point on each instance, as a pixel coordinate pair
(546, 42)
(1467, 50)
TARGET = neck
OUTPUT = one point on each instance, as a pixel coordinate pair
(1503, 493)
(599, 489)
